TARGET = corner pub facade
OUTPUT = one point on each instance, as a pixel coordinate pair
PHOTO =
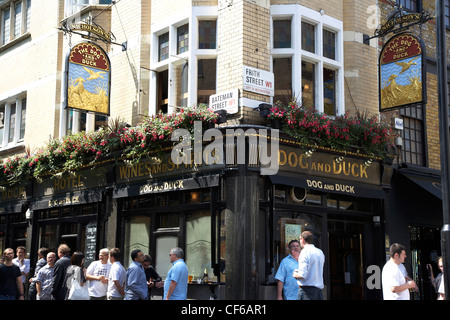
(228, 218)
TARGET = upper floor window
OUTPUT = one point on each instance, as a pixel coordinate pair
(282, 33)
(329, 44)
(15, 20)
(310, 69)
(413, 131)
(163, 52)
(412, 5)
(74, 6)
(207, 34)
(308, 37)
(12, 122)
(184, 61)
(183, 39)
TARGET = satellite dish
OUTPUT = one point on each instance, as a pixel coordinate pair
(297, 194)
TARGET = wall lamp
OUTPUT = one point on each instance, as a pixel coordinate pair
(309, 152)
(29, 214)
(368, 162)
(339, 159)
(264, 109)
(222, 116)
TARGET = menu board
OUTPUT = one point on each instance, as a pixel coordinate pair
(91, 241)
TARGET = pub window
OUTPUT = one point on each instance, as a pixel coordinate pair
(308, 37)
(412, 5)
(207, 33)
(282, 69)
(163, 91)
(413, 148)
(163, 52)
(288, 226)
(329, 44)
(183, 39)
(329, 92)
(15, 20)
(137, 236)
(282, 33)
(206, 79)
(308, 85)
(198, 243)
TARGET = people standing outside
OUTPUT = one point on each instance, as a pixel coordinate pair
(395, 285)
(150, 274)
(176, 283)
(436, 282)
(97, 273)
(136, 285)
(310, 269)
(287, 287)
(59, 273)
(76, 271)
(23, 263)
(10, 278)
(117, 276)
(42, 255)
(44, 278)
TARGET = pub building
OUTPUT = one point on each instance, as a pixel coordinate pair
(228, 218)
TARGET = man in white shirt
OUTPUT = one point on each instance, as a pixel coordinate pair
(97, 273)
(23, 264)
(395, 285)
(310, 269)
(117, 276)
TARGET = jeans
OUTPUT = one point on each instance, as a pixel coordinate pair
(309, 293)
(7, 297)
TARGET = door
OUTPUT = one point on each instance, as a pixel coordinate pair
(346, 265)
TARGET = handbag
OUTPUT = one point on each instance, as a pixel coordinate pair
(78, 292)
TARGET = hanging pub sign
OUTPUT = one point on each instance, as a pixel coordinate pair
(88, 78)
(402, 72)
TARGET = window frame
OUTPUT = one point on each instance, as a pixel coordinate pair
(17, 139)
(299, 14)
(24, 25)
(407, 3)
(70, 6)
(176, 60)
(418, 118)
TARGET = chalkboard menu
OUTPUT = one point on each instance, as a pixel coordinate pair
(91, 236)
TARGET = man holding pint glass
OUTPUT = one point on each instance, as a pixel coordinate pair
(395, 284)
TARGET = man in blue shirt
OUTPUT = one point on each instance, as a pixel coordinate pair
(287, 286)
(175, 285)
(136, 287)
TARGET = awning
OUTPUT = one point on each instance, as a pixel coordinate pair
(330, 185)
(430, 184)
(166, 185)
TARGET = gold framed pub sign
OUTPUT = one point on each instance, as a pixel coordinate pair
(402, 77)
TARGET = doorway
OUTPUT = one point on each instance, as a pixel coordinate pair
(346, 261)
